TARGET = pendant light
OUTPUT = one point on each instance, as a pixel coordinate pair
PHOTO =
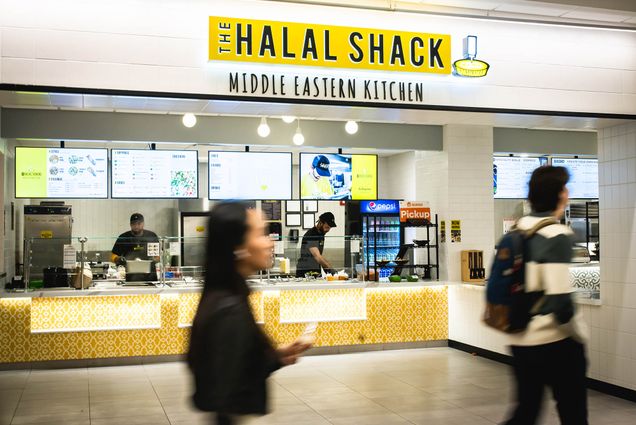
(298, 139)
(189, 120)
(288, 119)
(263, 129)
(351, 127)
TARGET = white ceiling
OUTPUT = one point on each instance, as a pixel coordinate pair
(590, 12)
(108, 103)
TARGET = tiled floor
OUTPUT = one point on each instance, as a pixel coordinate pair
(426, 386)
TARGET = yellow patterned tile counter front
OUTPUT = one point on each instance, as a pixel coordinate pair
(322, 304)
(189, 302)
(63, 328)
(95, 313)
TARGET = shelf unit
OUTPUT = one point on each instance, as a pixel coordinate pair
(432, 249)
(592, 216)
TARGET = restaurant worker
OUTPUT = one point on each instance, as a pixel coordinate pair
(133, 245)
(315, 184)
(312, 245)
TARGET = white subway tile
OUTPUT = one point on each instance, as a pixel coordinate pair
(18, 71)
(18, 43)
(622, 171)
(631, 144)
(626, 320)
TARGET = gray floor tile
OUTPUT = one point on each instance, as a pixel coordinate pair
(133, 420)
(419, 386)
(190, 418)
(391, 419)
(53, 418)
(53, 407)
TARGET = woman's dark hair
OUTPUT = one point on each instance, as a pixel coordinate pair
(545, 185)
(227, 228)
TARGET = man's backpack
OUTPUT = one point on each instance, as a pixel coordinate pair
(509, 308)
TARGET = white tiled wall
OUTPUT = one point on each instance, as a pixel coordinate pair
(470, 199)
(399, 180)
(613, 344)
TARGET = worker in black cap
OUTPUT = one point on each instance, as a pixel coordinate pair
(133, 245)
(312, 245)
(315, 184)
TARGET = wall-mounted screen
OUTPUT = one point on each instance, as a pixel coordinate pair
(511, 176)
(249, 175)
(338, 176)
(154, 174)
(61, 173)
(583, 182)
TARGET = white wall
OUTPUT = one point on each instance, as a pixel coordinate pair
(146, 45)
(470, 200)
(399, 180)
(613, 345)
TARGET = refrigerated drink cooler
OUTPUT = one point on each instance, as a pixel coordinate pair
(382, 234)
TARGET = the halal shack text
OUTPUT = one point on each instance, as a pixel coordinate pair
(314, 47)
(336, 47)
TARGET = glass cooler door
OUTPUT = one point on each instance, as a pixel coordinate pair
(381, 241)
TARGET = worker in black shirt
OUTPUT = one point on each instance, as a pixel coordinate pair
(312, 245)
(133, 245)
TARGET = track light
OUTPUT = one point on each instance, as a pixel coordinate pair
(351, 127)
(263, 129)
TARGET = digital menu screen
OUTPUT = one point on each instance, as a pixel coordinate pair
(61, 173)
(154, 174)
(583, 182)
(511, 176)
(338, 176)
(250, 175)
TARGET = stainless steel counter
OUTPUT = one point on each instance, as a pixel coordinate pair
(180, 288)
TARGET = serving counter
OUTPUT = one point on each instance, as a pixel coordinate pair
(98, 323)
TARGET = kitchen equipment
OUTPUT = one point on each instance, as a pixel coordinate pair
(194, 236)
(55, 277)
(138, 266)
(47, 228)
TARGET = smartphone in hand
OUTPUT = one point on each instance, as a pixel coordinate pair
(309, 334)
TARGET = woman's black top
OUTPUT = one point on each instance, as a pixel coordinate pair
(230, 356)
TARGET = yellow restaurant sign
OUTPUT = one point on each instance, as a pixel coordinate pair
(286, 43)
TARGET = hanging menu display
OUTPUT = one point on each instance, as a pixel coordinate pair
(250, 175)
(583, 182)
(154, 174)
(511, 176)
(61, 173)
(338, 176)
